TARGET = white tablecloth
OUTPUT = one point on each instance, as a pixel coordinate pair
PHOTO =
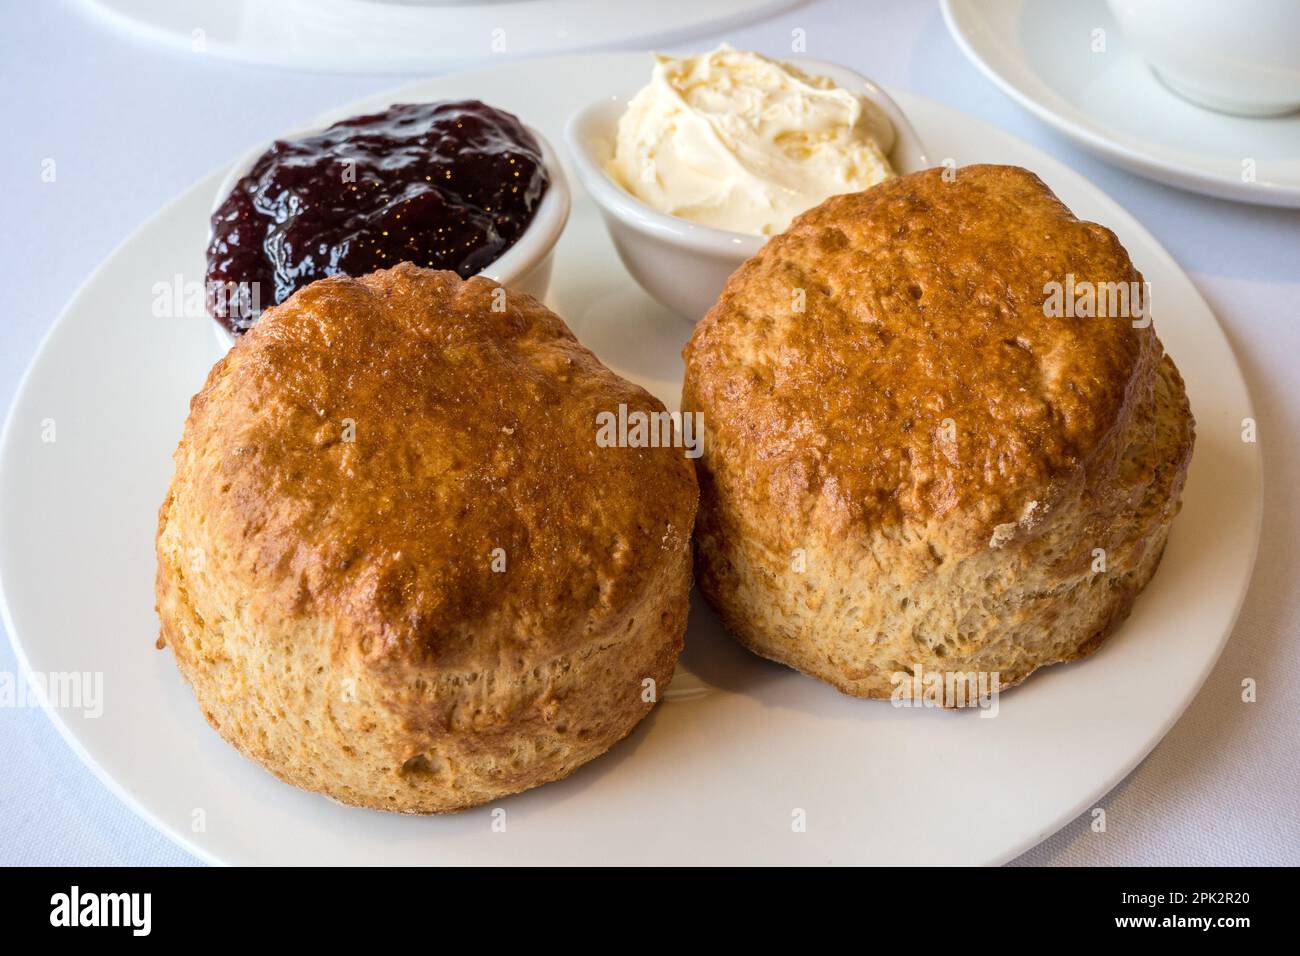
(130, 126)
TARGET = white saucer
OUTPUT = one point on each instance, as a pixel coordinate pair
(1040, 53)
(412, 36)
(718, 772)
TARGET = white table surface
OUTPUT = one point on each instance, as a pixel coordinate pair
(130, 126)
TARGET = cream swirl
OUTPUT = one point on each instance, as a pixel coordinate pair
(737, 141)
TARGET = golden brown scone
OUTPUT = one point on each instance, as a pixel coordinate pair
(394, 563)
(921, 471)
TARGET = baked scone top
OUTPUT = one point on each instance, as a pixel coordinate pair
(361, 454)
(888, 362)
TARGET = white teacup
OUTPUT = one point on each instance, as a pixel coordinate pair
(1235, 56)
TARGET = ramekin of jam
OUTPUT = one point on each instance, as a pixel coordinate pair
(455, 184)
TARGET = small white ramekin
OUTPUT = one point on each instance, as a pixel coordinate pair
(524, 267)
(680, 263)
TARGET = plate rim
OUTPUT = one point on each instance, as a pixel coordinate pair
(87, 759)
(1168, 172)
(109, 12)
(209, 180)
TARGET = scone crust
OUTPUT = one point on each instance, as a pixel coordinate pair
(889, 406)
(394, 562)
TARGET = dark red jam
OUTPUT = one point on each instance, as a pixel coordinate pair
(448, 185)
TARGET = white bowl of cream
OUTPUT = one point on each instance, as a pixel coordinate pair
(693, 172)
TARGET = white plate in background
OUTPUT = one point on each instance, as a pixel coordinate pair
(1040, 53)
(714, 774)
(413, 36)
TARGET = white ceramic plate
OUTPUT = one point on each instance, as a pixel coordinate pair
(715, 774)
(411, 36)
(1040, 53)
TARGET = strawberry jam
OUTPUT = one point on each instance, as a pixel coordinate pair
(448, 185)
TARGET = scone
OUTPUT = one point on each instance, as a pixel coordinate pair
(395, 564)
(922, 454)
